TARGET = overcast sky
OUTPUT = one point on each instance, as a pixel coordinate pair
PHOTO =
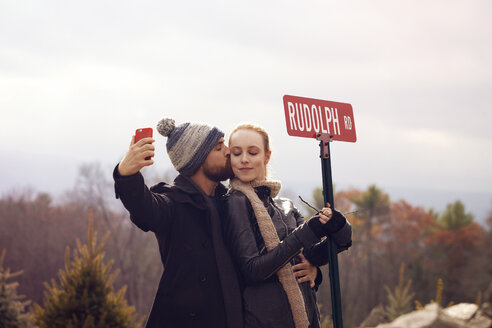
(78, 77)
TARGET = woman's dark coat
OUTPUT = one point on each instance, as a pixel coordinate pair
(199, 286)
(264, 300)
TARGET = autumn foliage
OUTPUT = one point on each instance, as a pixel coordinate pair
(35, 230)
(449, 247)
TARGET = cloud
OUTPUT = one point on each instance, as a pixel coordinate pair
(81, 77)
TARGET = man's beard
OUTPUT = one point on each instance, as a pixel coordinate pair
(218, 173)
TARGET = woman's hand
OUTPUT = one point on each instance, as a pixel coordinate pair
(325, 214)
(318, 222)
(305, 271)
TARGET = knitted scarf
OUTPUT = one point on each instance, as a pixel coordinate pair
(270, 236)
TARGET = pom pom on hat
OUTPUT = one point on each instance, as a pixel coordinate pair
(165, 126)
(188, 144)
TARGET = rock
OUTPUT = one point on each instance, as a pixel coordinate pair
(377, 316)
(487, 296)
(480, 320)
(463, 311)
(432, 316)
(487, 309)
(464, 315)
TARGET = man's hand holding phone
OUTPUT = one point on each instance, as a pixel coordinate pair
(139, 154)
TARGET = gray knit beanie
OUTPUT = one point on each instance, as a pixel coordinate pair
(188, 144)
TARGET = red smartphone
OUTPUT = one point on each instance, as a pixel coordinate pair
(143, 133)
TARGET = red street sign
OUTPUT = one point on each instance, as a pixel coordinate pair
(307, 117)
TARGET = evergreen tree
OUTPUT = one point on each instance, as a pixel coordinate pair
(84, 297)
(400, 300)
(374, 204)
(12, 313)
(455, 217)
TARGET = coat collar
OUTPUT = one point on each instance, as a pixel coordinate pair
(273, 185)
(184, 190)
(187, 185)
(264, 188)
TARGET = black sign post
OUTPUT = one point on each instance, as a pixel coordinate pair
(325, 121)
(336, 298)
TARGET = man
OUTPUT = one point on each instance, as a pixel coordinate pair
(199, 286)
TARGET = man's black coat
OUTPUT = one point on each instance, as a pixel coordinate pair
(199, 286)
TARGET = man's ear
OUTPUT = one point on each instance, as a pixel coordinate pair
(267, 156)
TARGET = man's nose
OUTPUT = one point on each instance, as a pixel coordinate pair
(227, 151)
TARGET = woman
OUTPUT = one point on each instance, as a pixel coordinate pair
(266, 233)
